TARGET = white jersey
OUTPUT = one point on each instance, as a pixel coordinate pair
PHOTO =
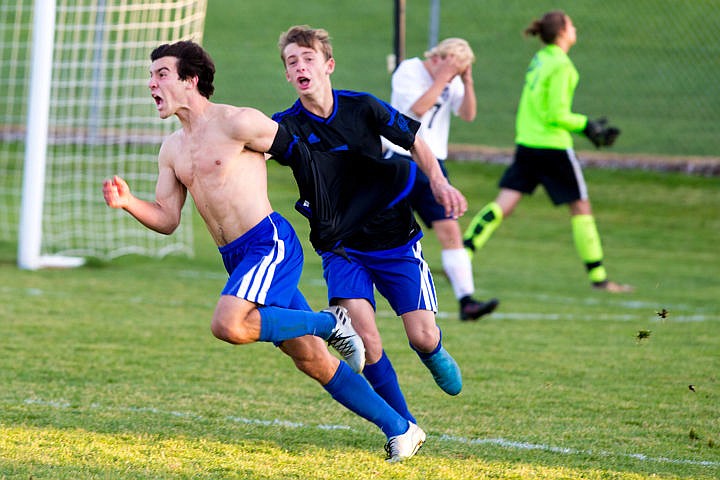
(409, 82)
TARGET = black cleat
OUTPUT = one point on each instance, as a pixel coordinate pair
(471, 309)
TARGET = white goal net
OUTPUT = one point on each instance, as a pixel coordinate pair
(100, 121)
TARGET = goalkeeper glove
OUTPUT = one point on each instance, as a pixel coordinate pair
(600, 133)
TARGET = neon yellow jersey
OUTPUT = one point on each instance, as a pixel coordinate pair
(544, 117)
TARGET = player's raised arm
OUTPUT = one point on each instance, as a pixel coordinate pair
(162, 215)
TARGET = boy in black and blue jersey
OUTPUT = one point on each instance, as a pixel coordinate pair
(361, 222)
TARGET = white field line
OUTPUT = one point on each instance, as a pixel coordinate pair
(498, 442)
(645, 310)
(620, 317)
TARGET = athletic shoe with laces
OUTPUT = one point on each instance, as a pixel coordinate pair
(345, 339)
(445, 371)
(613, 287)
(472, 309)
(402, 447)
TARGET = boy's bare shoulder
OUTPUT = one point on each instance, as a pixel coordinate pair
(231, 111)
(246, 124)
(173, 140)
(233, 118)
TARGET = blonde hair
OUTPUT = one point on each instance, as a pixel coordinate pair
(457, 47)
(316, 38)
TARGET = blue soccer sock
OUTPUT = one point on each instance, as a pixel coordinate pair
(353, 392)
(384, 381)
(278, 324)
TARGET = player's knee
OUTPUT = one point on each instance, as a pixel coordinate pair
(221, 331)
(424, 340)
(373, 349)
(230, 330)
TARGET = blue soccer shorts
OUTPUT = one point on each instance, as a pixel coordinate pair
(401, 275)
(265, 265)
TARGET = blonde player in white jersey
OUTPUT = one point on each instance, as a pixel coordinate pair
(432, 91)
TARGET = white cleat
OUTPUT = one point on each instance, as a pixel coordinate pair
(402, 447)
(345, 339)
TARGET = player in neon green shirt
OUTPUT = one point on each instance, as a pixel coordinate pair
(544, 118)
(544, 153)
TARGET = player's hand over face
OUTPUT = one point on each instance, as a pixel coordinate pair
(116, 192)
(451, 198)
(466, 73)
(449, 68)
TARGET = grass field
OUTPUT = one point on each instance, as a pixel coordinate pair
(110, 372)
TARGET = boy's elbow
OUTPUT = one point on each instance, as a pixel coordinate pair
(167, 228)
(168, 219)
(170, 229)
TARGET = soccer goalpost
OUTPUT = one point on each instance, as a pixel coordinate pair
(86, 115)
(399, 30)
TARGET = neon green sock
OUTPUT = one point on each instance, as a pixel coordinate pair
(588, 246)
(482, 226)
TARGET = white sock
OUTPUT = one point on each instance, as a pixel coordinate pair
(458, 268)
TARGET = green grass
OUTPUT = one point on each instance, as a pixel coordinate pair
(110, 372)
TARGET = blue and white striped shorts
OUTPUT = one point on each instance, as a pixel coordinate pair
(265, 265)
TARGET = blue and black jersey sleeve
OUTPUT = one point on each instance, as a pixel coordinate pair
(285, 146)
(396, 127)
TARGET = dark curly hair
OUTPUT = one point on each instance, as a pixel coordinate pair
(192, 61)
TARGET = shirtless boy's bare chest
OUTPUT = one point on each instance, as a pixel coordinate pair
(207, 160)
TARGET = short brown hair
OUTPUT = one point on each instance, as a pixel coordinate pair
(316, 38)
